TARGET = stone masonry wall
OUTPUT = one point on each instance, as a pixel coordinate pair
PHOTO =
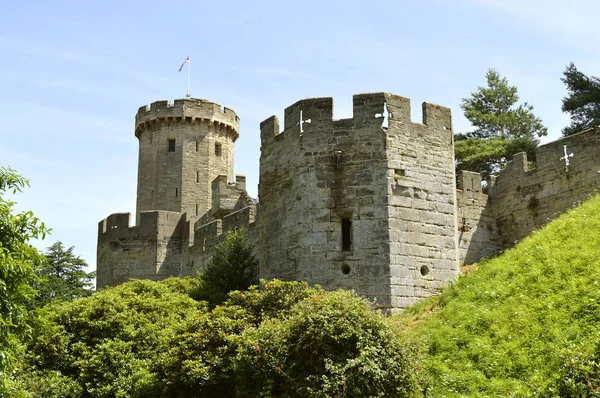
(207, 236)
(421, 191)
(478, 232)
(320, 173)
(527, 199)
(313, 175)
(151, 250)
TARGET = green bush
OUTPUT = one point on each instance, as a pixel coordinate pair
(150, 339)
(328, 345)
(108, 344)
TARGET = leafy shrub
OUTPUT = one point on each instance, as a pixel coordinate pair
(150, 339)
(328, 345)
(107, 344)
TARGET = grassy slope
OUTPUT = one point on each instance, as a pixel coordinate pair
(515, 326)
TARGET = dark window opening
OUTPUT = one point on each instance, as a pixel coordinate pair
(176, 192)
(197, 177)
(171, 145)
(197, 146)
(346, 234)
(196, 209)
(218, 149)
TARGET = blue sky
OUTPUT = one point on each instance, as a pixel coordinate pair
(74, 73)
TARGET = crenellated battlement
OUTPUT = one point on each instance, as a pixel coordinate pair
(152, 224)
(190, 111)
(211, 233)
(228, 196)
(581, 150)
(369, 110)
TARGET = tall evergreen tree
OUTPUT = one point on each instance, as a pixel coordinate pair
(503, 127)
(62, 276)
(233, 267)
(582, 101)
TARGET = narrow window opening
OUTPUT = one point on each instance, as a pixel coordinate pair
(196, 209)
(171, 145)
(176, 192)
(197, 146)
(346, 234)
(218, 149)
(197, 177)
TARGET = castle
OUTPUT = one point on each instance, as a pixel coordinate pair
(368, 203)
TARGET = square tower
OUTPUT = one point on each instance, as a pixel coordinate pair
(365, 203)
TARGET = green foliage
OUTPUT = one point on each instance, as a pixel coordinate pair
(150, 339)
(107, 345)
(62, 276)
(233, 267)
(525, 323)
(331, 345)
(503, 128)
(17, 262)
(582, 101)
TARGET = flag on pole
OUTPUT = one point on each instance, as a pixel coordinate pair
(184, 62)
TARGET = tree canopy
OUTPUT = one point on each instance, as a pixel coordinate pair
(62, 276)
(17, 263)
(503, 127)
(582, 102)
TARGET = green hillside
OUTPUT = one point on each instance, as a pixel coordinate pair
(525, 323)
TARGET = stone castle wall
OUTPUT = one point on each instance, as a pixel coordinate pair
(337, 172)
(421, 202)
(367, 203)
(478, 230)
(150, 250)
(525, 199)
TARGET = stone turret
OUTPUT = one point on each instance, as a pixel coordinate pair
(183, 146)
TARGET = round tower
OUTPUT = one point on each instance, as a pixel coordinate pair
(183, 146)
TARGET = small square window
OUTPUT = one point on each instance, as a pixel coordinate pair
(218, 149)
(171, 145)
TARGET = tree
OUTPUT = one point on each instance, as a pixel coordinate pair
(582, 102)
(503, 128)
(62, 276)
(233, 267)
(17, 263)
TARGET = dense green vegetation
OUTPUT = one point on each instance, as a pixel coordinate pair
(151, 339)
(526, 323)
(18, 261)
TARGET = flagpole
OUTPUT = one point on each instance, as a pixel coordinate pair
(189, 75)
